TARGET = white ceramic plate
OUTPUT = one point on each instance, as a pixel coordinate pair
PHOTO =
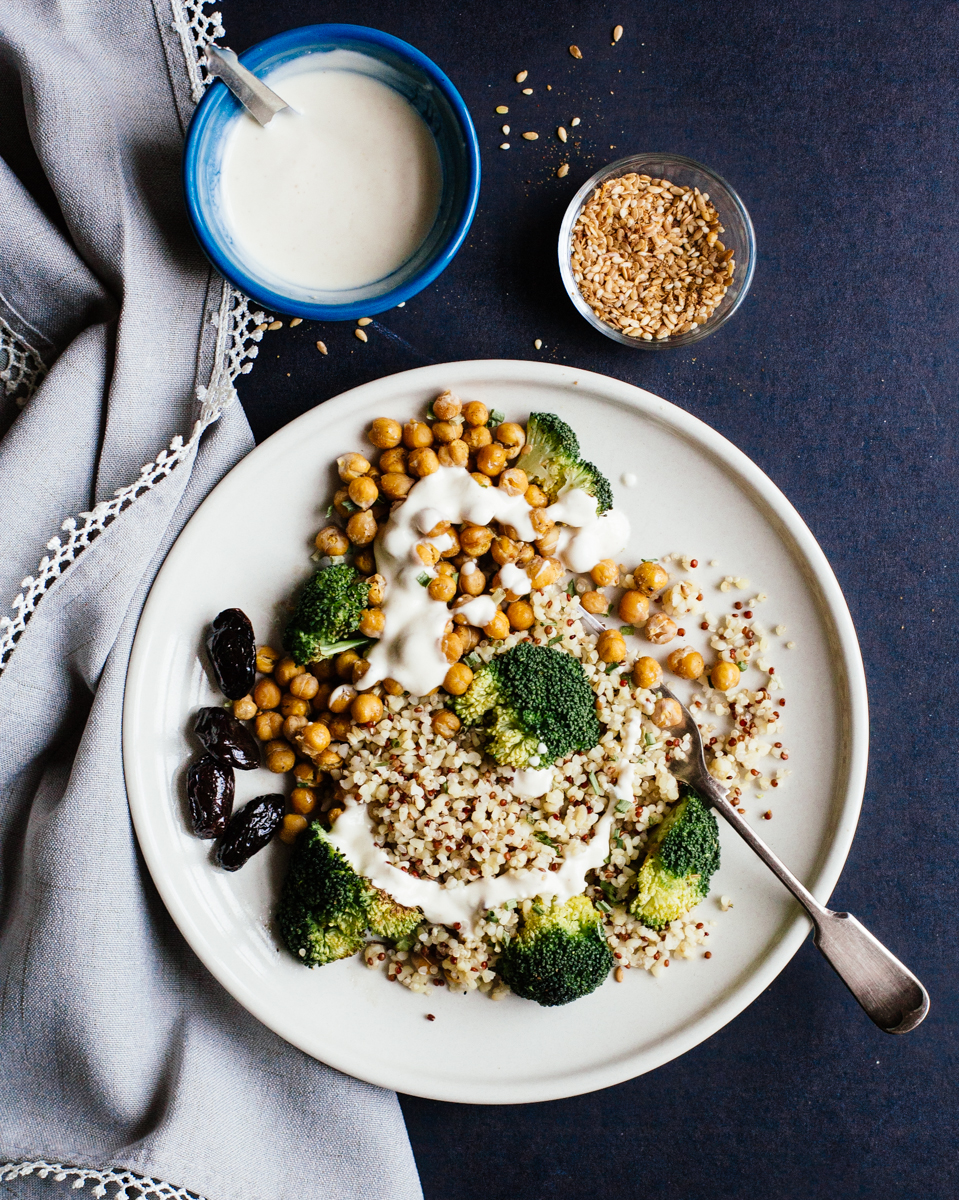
(248, 545)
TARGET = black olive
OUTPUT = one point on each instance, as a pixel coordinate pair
(250, 830)
(226, 739)
(232, 649)
(209, 789)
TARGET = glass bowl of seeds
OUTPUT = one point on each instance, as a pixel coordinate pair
(656, 250)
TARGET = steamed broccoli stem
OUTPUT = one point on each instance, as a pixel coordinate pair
(559, 955)
(327, 614)
(682, 855)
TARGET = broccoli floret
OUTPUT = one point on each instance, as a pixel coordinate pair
(559, 955)
(327, 614)
(681, 857)
(530, 696)
(551, 451)
(591, 479)
(325, 907)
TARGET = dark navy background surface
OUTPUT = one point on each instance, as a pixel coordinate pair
(838, 124)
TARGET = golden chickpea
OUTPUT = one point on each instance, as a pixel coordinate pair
(445, 723)
(650, 578)
(428, 555)
(666, 713)
(513, 481)
(266, 694)
(281, 761)
(321, 699)
(510, 434)
(611, 646)
(285, 670)
(445, 432)
(455, 454)
(498, 628)
(481, 479)
(446, 406)
(385, 433)
(475, 413)
(491, 460)
(377, 591)
(633, 607)
(542, 524)
(543, 571)
(520, 614)
(647, 673)
(367, 709)
(303, 800)
(423, 462)
(454, 545)
(605, 573)
(396, 486)
(526, 554)
(687, 663)
(304, 686)
(315, 737)
(360, 668)
(595, 603)
(344, 664)
(547, 543)
(351, 466)
(266, 659)
(472, 583)
(393, 461)
(660, 629)
(504, 550)
(536, 497)
(340, 727)
(725, 676)
(292, 706)
(365, 562)
(458, 678)
(342, 698)
(244, 709)
(372, 621)
(446, 568)
(476, 540)
(363, 492)
(477, 436)
(292, 726)
(332, 541)
(472, 636)
(442, 588)
(341, 502)
(327, 760)
(417, 434)
(361, 528)
(453, 646)
(274, 744)
(293, 825)
(392, 687)
(323, 670)
(268, 725)
(305, 773)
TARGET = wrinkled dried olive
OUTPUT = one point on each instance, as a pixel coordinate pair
(249, 831)
(209, 789)
(226, 739)
(232, 649)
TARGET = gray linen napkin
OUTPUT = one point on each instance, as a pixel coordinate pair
(117, 1049)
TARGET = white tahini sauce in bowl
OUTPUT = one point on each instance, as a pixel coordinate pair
(338, 193)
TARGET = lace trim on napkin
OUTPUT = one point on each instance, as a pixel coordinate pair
(238, 327)
(21, 367)
(131, 1187)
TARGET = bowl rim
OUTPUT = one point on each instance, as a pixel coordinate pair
(623, 166)
(270, 298)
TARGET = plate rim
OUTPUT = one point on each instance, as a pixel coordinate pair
(849, 670)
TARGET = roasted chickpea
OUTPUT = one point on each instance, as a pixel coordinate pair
(377, 590)
(446, 568)
(416, 434)
(498, 628)
(725, 676)
(351, 466)
(342, 698)
(428, 555)
(442, 588)
(364, 560)
(363, 492)
(305, 773)
(633, 607)
(445, 432)
(285, 670)
(454, 545)
(595, 603)
(281, 761)
(520, 614)
(481, 479)
(372, 621)
(647, 673)
(361, 528)
(315, 737)
(332, 541)
(244, 709)
(472, 582)
(542, 524)
(367, 709)
(504, 550)
(423, 462)
(511, 435)
(513, 481)
(547, 543)
(385, 433)
(360, 668)
(536, 497)
(392, 687)
(344, 663)
(266, 659)
(322, 697)
(526, 554)
(291, 828)
(293, 706)
(543, 571)
(605, 573)
(303, 800)
(458, 678)
(396, 486)
(446, 406)
(475, 540)
(445, 723)
(611, 646)
(660, 629)
(650, 578)
(268, 725)
(475, 413)
(453, 646)
(304, 686)
(340, 727)
(491, 460)
(266, 694)
(666, 713)
(393, 461)
(477, 436)
(455, 454)
(328, 760)
(341, 502)
(323, 670)
(292, 726)
(687, 663)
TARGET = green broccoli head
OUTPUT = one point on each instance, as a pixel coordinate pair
(327, 614)
(682, 855)
(591, 479)
(531, 696)
(325, 907)
(551, 459)
(559, 954)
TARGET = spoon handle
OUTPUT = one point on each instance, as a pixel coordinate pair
(253, 94)
(888, 992)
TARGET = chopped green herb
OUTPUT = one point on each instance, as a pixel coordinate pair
(741, 665)
(423, 579)
(601, 904)
(430, 414)
(553, 640)
(650, 740)
(571, 588)
(538, 908)
(627, 630)
(594, 783)
(510, 904)
(618, 840)
(496, 417)
(348, 504)
(329, 512)
(622, 806)
(473, 662)
(545, 839)
(611, 668)
(395, 743)
(404, 944)
(491, 916)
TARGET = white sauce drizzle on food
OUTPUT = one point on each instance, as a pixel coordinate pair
(628, 479)
(589, 537)
(532, 781)
(478, 611)
(514, 579)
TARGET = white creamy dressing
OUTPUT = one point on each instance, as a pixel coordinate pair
(597, 538)
(340, 192)
(478, 611)
(623, 789)
(514, 579)
(532, 781)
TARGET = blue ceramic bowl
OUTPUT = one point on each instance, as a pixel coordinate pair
(424, 86)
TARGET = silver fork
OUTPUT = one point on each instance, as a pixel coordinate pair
(889, 993)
